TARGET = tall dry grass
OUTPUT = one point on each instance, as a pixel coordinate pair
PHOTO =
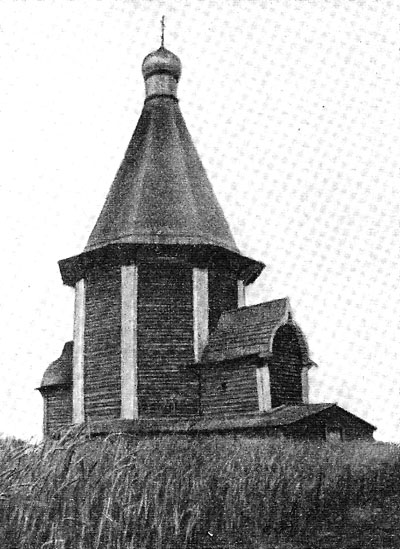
(175, 492)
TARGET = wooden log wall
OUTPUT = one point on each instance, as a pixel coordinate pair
(165, 340)
(58, 409)
(308, 429)
(352, 427)
(102, 348)
(229, 389)
(222, 293)
(285, 368)
(331, 424)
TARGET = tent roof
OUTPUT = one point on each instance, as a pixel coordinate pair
(161, 193)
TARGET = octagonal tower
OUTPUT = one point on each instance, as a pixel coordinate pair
(159, 268)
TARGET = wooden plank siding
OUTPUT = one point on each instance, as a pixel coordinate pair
(307, 429)
(102, 349)
(165, 340)
(57, 409)
(229, 389)
(351, 426)
(285, 368)
(222, 293)
(332, 421)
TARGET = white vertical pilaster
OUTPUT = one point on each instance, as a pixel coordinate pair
(45, 414)
(263, 389)
(129, 287)
(305, 390)
(241, 293)
(78, 404)
(200, 311)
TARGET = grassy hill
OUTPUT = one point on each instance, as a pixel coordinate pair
(172, 492)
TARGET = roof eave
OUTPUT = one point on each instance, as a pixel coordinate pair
(74, 268)
(44, 388)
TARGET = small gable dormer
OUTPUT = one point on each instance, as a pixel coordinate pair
(257, 352)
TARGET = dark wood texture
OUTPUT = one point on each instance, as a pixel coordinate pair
(333, 424)
(165, 340)
(161, 191)
(285, 368)
(352, 427)
(246, 331)
(102, 351)
(222, 293)
(57, 409)
(229, 389)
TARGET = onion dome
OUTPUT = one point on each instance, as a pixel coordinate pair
(161, 71)
(162, 61)
(59, 372)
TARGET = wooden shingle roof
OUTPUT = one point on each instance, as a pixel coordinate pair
(161, 193)
(283, 416)
(247, 331)
(286, 415)
(59, 372)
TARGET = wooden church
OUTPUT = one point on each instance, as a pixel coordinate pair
(163, 340)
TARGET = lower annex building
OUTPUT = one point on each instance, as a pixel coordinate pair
(163, 341)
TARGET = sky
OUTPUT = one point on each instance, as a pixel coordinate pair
(294, 109)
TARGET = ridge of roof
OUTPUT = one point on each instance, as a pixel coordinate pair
(263, 304)
(288, 415)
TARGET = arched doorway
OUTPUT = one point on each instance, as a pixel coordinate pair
(289, 358)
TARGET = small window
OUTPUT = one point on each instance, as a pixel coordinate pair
(334, 434)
